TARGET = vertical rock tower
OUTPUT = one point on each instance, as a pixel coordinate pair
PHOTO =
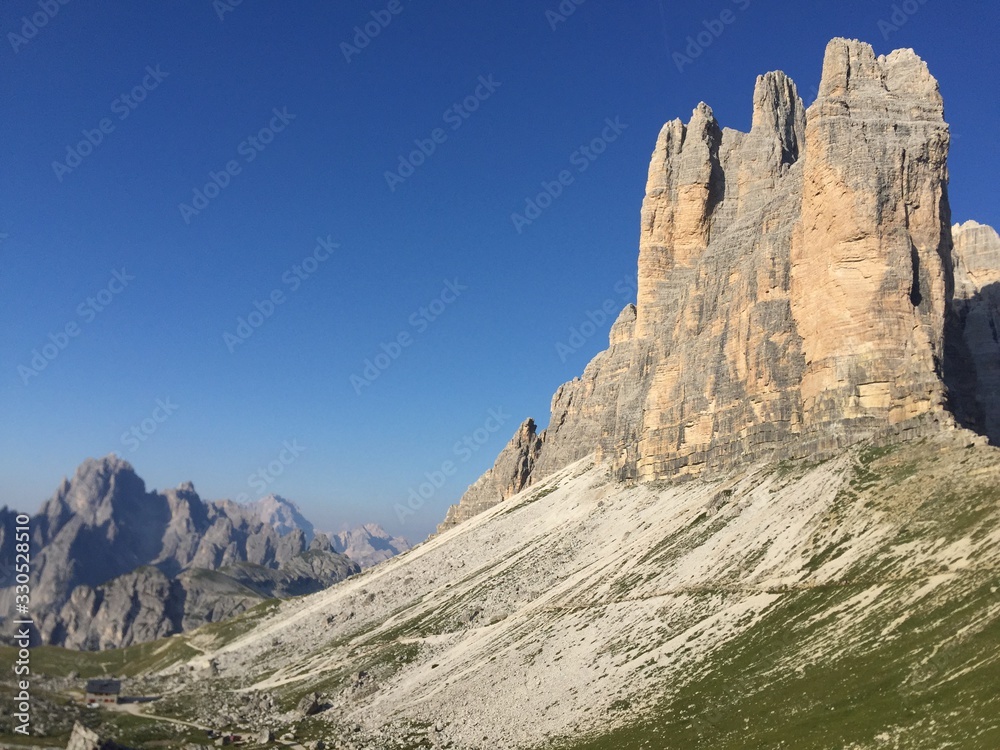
(871, 256)
(796, 291)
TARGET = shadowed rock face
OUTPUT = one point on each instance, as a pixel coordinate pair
(972, 364)
(794, 285)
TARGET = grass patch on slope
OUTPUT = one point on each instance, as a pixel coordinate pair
(54, 661)
(790, 683)
(140, 658)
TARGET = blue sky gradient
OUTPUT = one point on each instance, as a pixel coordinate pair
(465, 314)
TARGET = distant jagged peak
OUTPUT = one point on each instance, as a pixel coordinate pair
(368, 544)
(98, 481)
(283, 515)
(981, 239)
(105, 466)
(971, 225)
(976, 257)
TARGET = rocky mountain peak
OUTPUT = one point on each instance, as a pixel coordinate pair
(115, 563)
(283, 515)
(851, 69)
(98, 482)
(797, 291)
(977, 262)
(368, 545)
(870, 260)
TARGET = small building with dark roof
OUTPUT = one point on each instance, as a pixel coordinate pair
(102, 691)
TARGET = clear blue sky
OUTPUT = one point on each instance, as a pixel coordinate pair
(67, 229)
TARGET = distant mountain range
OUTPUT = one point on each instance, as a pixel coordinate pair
(114, 564)
(366, 545)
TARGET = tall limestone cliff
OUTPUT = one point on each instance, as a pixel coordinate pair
(871, 258)
(799, 290)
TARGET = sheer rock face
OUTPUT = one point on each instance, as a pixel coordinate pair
(872, 255)
(973, 332)
(716, 317)
(794, 284)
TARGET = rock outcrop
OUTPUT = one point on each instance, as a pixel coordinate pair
(799, 290)
(86, 739)
(115, 564)
(509, 475)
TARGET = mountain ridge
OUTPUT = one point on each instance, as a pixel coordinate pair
(115, 564)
